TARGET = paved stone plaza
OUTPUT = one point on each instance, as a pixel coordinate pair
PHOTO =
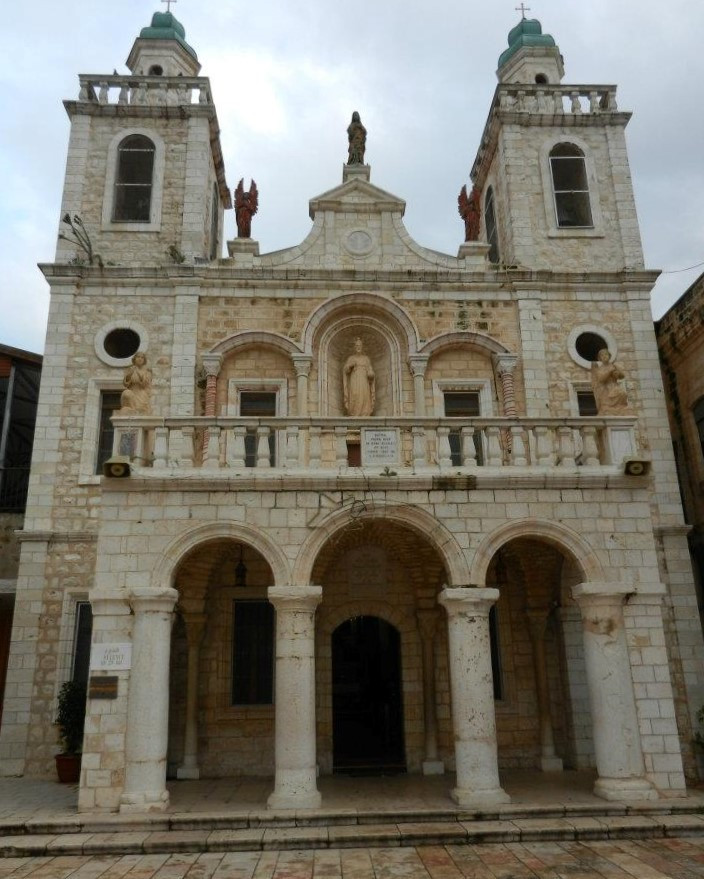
(643, 859)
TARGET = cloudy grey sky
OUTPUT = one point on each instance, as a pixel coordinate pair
(286, 77)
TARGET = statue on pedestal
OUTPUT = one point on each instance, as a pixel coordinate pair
(136, 399)
(609, 395)
(470, 210)
(246, 206)
(358, 383)
(357, 137)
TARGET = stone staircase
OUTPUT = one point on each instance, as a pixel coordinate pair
(257, 830)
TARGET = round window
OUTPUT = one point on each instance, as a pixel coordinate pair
(588, 346)
(121, 343)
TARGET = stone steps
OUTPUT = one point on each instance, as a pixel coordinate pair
(320, 829)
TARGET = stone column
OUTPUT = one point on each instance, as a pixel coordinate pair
(148, 702)
(302, 364)
(211, 365)
(537, 625)
(427, 626)
(418, 364)
(504, 366)
(472, 686)
(619, 757)
(294, 740)
(195, 626)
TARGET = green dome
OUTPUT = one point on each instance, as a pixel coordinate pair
(528, 32)
(165, 26)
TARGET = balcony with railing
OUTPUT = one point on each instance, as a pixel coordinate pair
(314, 448)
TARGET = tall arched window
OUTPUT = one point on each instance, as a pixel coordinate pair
(492, 235)
(133, 180)
(570, 186)
(698, 410)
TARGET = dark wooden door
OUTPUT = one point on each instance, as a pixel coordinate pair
(367, 703)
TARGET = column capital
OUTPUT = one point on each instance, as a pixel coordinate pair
(145, 600)
(418, 364)
(468, 599)
(504, 364)
(302, 364)
(211, 364)
(109, 602)
(295, 598)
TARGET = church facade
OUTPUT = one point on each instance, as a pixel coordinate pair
(355, 505)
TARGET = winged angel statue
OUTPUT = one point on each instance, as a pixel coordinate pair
(246, 206)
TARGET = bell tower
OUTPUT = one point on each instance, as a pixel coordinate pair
(145, 175)
(552, 166)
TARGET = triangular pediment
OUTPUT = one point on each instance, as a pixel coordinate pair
(357, 195)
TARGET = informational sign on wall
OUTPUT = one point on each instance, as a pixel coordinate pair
(110, 657)
(379, 446)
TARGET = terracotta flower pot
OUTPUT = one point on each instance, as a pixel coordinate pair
(68, 768)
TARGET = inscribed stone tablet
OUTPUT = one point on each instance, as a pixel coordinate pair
(379, 446)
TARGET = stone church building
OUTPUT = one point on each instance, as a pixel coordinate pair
(355, 505)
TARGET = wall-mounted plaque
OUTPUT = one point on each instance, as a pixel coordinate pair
(110, 657)
(103, 687)
(380, 446)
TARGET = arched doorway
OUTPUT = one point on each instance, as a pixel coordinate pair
(367, 701)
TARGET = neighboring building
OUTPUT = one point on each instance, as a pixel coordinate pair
(19, 391)
(680, 333)
(360, 514)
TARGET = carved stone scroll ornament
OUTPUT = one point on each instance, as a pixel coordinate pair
(136, 399)
(609, 395)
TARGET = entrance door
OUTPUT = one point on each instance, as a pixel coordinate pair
(367, 709)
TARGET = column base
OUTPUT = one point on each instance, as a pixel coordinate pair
(470, 799)
(144, 801)
(294, 800)
(188, 772)
(551, 764)
(433, 767)
(625, 789)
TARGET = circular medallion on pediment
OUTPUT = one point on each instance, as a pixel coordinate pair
(359, 243)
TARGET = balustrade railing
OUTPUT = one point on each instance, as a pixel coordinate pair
(149, 91)
(237, 446)
(557, 99)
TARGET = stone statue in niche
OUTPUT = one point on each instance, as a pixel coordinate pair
(246, 206)
(136, 398)
(358, 383)
(357, 137)
(470, 210)
(610, 396)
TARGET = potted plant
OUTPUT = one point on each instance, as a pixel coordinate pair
(70, 719)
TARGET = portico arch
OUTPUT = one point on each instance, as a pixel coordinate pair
(415, 518)
(557, 535)
(186, 542)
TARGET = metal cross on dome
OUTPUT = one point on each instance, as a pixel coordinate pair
(522, 9)
(168, 4)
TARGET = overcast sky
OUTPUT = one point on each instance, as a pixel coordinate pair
(286, 77)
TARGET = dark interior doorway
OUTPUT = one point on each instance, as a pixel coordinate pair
(367, 705)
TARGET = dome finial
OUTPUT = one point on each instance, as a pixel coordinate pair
(169, 2)
(522, 9)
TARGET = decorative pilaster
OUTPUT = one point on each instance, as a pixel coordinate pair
(418, 364)
(504, 367)
(302, 364)
(537, 625)
(148, 702)
(427, 626)
(294, 741)
(619, 756)
(472, 686)
(211, 365)
(195, 626)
